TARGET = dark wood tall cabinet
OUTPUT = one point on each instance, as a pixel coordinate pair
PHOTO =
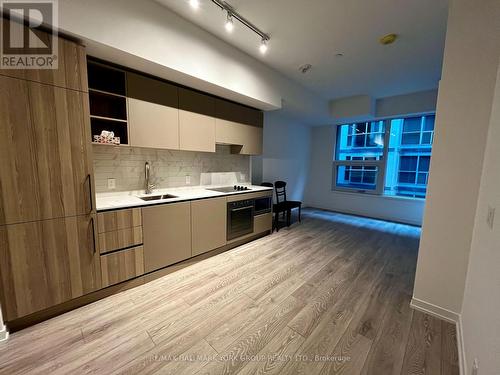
(48, 229)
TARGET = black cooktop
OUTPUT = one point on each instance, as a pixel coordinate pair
(228, 189)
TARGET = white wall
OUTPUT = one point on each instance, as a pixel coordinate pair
(414, 103)
(147, 36)
(352, 108)
(462, 120)
(365, 108)
(319, 188)
(481, 306)
(286, 154)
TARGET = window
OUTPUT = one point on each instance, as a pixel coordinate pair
(389, 157)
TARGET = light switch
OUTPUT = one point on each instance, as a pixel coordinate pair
(111, 183)
(188, 180)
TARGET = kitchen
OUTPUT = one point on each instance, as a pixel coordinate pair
(151, 223)
(202, 186)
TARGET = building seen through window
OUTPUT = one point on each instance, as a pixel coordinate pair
(388, 156)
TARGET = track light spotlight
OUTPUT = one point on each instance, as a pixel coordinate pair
(229, 23)
(195, 4)
(263, 46)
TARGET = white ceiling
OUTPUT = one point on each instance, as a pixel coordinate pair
(314, 31)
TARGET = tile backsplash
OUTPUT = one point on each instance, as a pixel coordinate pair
(169, 168)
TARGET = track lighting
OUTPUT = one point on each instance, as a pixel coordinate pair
(195, 4)
(263, 46)
(229, 23)
(231, 13)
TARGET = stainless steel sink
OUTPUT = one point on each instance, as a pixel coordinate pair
(158, 197)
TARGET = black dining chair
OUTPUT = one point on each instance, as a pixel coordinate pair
(277, 208)
(284, 205)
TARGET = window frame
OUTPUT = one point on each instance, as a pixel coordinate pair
(380, 164)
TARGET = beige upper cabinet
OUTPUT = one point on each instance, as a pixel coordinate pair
(239, 126)
(153, 112)
(45, 166)
(167, 234)
(254, 143)
(246, 139)
(208, 223)
(196, 121)
(47, 262)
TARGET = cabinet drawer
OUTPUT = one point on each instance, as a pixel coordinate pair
(119, 239)
(263, 223)
(120, 219)
(122, 265)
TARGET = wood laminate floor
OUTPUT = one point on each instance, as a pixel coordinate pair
(328, 296)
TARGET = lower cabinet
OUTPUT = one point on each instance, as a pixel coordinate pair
(208, 224)
(44, 263)
(263, 223)
(120, 239)
(119, 219)
(122, 265)
(166, 234)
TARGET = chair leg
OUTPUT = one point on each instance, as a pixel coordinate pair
(288, 217)
(300, 209)
(277, 221)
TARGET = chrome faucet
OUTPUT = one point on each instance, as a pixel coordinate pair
(149, 186)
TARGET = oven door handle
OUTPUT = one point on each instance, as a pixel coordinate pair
(241, 208)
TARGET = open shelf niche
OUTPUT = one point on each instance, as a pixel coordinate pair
(108, 101)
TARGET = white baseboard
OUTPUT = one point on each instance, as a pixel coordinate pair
(356, 213)
(4, 334)
(431, 309)
(449, 316)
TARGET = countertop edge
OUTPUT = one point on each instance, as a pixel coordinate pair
(179, 200)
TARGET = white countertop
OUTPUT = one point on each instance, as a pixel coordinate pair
(127, 199)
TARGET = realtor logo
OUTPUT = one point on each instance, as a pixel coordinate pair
(23, 43)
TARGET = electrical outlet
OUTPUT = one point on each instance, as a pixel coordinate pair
(111, 183)
(188, 180)
(490, 219)
(475, 367)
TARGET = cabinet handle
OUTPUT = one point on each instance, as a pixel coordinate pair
(89, 178)
(241, 208)
(93, 234)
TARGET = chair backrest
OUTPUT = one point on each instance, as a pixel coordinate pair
(280, 187)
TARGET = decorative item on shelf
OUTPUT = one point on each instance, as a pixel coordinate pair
(107, 137)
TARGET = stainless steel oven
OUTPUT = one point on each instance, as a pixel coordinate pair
(263, 205)
(240, 218)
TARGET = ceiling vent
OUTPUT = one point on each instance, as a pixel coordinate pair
(305, 68)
